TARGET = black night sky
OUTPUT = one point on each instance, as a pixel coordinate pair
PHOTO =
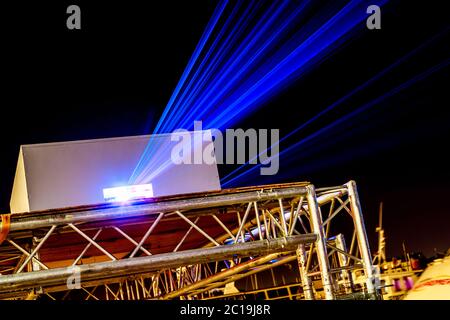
(115, 76)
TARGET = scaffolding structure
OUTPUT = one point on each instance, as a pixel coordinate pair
(196, 246)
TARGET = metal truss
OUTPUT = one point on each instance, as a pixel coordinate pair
(192, 246)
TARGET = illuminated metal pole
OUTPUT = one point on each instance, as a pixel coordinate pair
(316, 219)
(306, 280)
(363, 243)
(343, 262)
(36, 249)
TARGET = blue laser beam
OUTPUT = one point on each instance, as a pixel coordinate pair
(349, 116)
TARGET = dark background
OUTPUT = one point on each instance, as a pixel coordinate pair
(115, 75)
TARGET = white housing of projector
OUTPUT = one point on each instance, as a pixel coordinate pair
(65, 174)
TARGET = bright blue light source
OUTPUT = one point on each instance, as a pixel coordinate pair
(128, 193)
(247, 55)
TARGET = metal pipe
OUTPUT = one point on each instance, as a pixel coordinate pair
(266, 227)
(294, 220)
(224, 227)
(330, 212)
(274, 222)
(321, 200)
(258, 223)
(316, 219)
(10, 259)
(336, 212)
(343, 252)
(283, 218)
(361, 236)
(226, 236)
(241, 223)
(306, 280)
(110, 269)
(229, 272)
(47, 219)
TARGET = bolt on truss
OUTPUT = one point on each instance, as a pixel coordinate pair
(197, 246)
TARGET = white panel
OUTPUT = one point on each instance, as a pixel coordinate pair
(75, 173)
